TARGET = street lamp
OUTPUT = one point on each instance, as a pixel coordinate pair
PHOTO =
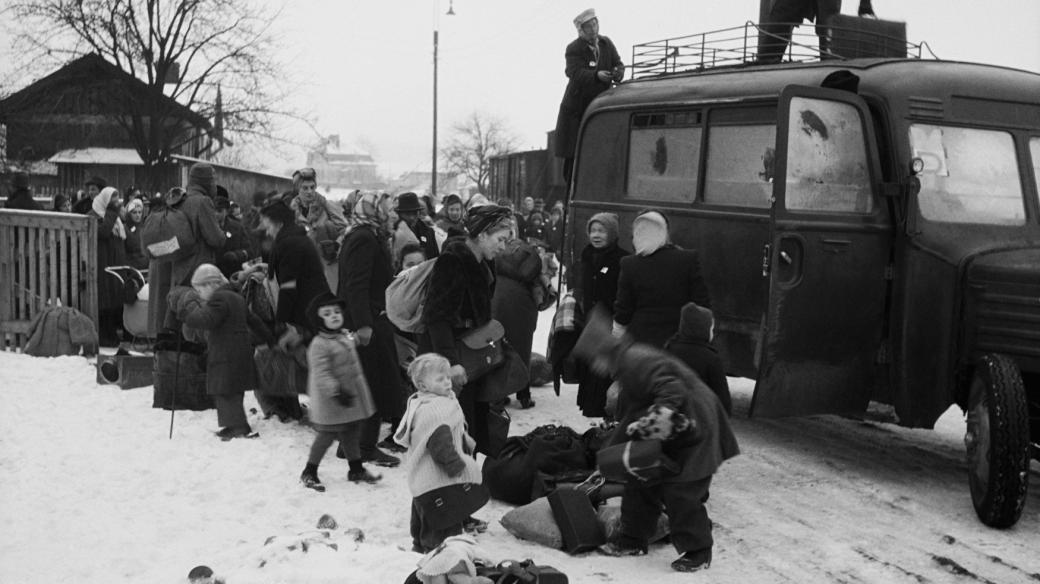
(436, 25)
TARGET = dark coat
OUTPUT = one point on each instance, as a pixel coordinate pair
(238, 247)
(598, 273)
(22, 199)
(111, 251)
(295, 259)
(554, 234)
(427, 238)
(583, 86)
(364, 273)
(704, 360)
(458, 298)
(209, 237)
(652, 290)
(513, 303)
(229, 355)
(650, 376)
(134, 248)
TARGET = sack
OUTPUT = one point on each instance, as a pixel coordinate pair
(639, 462)
(510, 377)
(480, 349)
(576, 520)
(180, 379)
(279, 373)
(167, 234)
(406, 295)
(441, 508)
(534, 522)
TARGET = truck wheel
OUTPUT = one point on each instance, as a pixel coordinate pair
(997, 441)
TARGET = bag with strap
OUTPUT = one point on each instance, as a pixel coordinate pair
(167, 234)
(406, 295)
(480, 349)
(636, 462)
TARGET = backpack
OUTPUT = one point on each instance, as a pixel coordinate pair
(406, 295)
(167, 234)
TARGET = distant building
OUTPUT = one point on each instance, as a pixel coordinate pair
(344, 167)
(447, 183)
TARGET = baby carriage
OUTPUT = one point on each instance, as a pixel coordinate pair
(135, 304)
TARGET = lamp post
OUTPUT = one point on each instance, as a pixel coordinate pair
(436, 25)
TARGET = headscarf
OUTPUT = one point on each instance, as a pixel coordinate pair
(100, 204)
(480, 219)
(369, 209)
(609, 221)
(135, 205)
(650, 240)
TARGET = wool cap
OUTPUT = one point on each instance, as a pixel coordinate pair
(585, 16)
(202, 173)
(207, 274)
(609, 221)
(695, 321)
(20, 180)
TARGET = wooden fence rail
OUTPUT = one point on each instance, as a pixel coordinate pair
(44, 257)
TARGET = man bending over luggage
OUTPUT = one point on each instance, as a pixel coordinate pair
(661, 398)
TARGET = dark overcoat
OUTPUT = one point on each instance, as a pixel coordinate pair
(583, 86)
(238, 247)
(598, 273)
(229, 356)
(652, 290)
(650, 376)
(134, 248)
(296, 265)
(513, 303)
(364, 273)
(458, 298)
(111, 251)
(22, 199)
(700, 356)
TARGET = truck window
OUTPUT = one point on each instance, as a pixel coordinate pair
(827, 167)
(739, 170)
(1034, 151)
(970, 175)
(664, 156)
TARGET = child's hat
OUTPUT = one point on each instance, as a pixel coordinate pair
(323, 299)
(695, 321)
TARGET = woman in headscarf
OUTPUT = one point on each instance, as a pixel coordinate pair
(458, 299)
(597, 285)
(656, 282)
(111, 251)
(134, 249)
(365, 270)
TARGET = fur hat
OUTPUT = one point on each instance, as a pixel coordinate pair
(596, 338)
(207, 274)
(408, 203)
(609, 221)
(19, 181)
(278, 212)
(695, 321)
(585, 16)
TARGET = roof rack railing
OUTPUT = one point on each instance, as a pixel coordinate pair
(738, 46)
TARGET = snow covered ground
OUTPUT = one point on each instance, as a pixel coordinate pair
(92, 490)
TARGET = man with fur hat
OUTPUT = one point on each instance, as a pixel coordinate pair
(593, 65)
(21, 194)
(662, 398)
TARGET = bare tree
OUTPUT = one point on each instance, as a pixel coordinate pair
(212, 57)
(473, 142)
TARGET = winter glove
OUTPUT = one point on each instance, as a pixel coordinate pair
(659, 423)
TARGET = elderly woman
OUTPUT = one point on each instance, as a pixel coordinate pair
(458, 299)
(111, 251)
(656, 283)
(365, 270)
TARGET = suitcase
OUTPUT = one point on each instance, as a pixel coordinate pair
(126, 371)
(857, 37)
(577, 521)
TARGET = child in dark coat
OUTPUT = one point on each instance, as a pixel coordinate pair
(692, 344)
(339, 396)
(443, 477)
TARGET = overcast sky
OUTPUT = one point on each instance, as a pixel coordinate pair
(365, 67)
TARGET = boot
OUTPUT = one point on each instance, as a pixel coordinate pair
(693, 561)
(359, 474)
(310, 479)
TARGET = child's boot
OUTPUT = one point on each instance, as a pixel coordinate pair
(310, 479)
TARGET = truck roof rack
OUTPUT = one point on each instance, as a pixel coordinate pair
(738, 46)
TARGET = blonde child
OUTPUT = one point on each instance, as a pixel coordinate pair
(443, 477)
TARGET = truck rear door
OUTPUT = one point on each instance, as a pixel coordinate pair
(830, 239)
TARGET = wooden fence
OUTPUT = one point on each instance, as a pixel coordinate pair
(44, 257)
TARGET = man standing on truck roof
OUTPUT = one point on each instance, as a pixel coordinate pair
(593, 65)
(784, 16)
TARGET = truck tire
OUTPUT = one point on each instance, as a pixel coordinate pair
(997, 441)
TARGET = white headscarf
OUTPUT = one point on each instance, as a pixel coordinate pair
(649, 233)
(100, 205)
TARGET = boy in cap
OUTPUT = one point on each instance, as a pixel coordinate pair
(658, 396)
(692, 344)
(593, 65)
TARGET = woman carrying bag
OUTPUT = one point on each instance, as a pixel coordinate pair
(458, 302)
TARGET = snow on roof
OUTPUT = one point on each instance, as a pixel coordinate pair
(122, 156)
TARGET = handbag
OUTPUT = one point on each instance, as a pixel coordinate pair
(511, 376)
(441, 508)
(480, 349)
(636, 462)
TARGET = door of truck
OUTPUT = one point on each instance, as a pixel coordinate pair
(830, 238)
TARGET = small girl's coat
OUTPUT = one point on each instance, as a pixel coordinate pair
(334, 369)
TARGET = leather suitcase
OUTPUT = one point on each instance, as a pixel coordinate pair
(856, 37)
(577, 521)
